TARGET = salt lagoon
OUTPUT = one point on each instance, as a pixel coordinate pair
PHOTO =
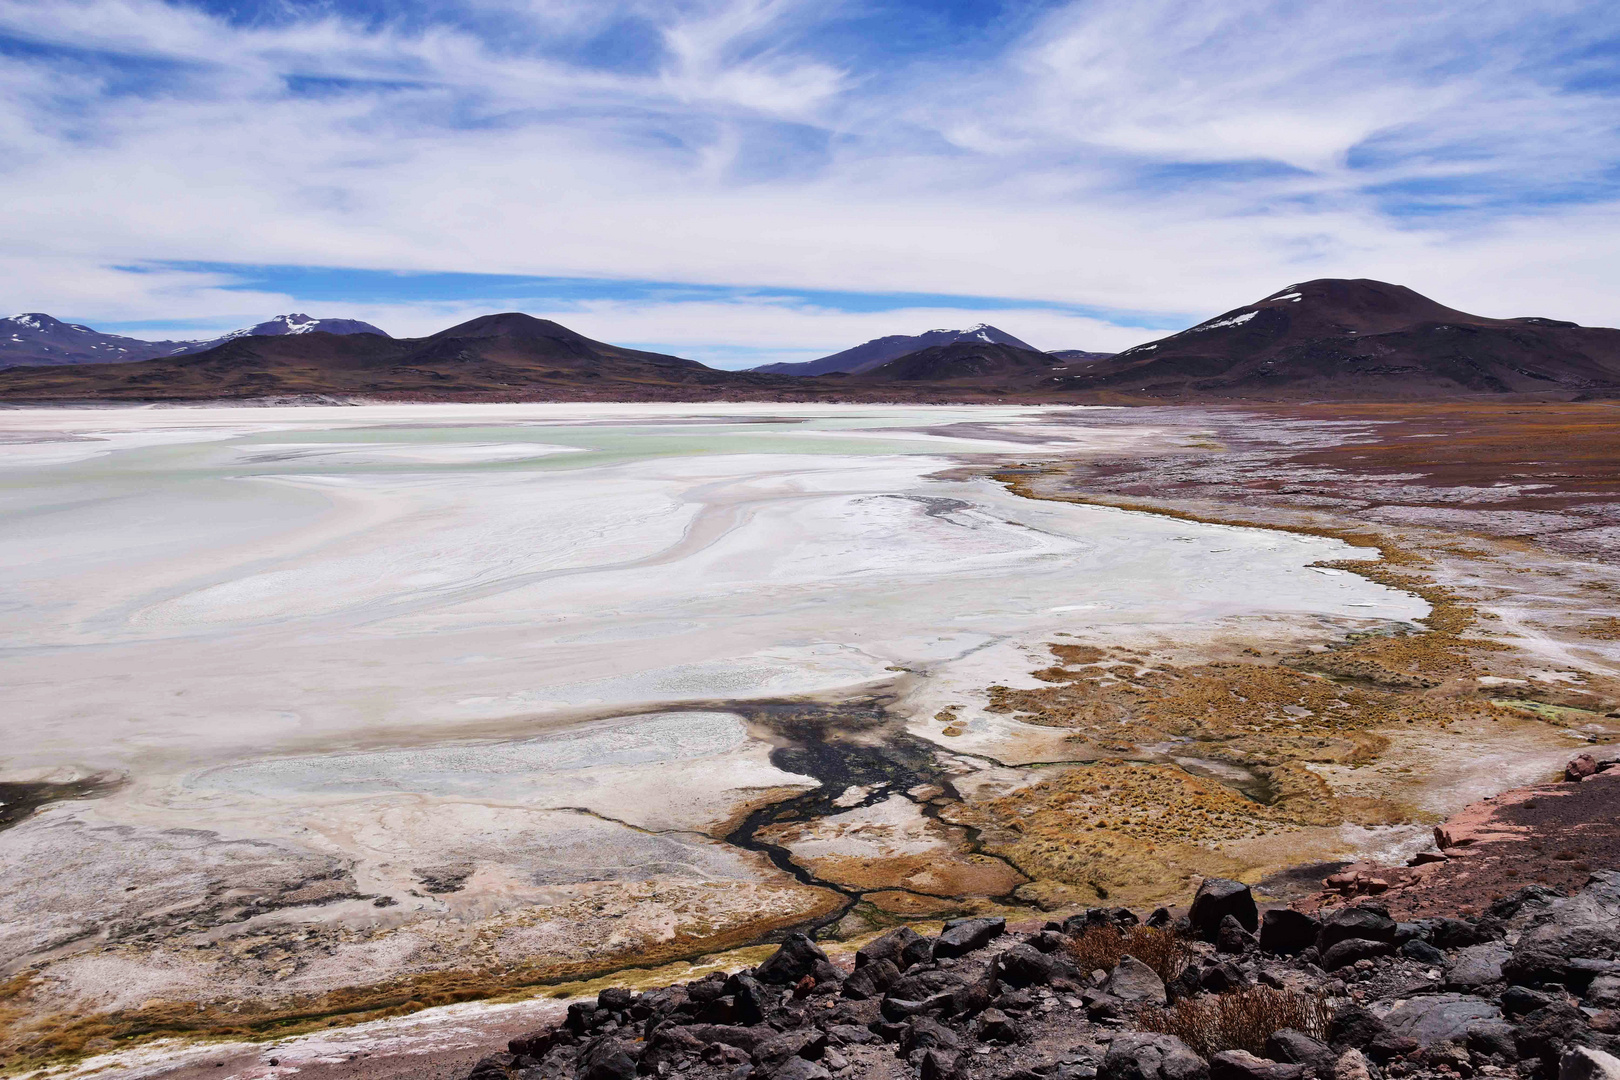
(440, 685)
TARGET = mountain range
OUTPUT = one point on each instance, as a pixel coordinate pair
(509, 356)
(879, 351)
(1323, 340)
(34, 338)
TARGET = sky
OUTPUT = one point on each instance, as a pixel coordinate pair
(748, 181)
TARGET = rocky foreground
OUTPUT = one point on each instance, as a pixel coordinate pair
(1528, 988)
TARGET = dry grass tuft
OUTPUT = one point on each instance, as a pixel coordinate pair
(1241, 1020)
(1101, 947)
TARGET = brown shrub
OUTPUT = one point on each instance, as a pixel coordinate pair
(1241, 1020)
(1102, 946)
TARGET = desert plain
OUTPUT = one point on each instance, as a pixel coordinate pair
(325, 716)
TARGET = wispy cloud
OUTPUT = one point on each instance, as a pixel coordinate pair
(1106, 155)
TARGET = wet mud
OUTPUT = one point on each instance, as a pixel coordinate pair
(860, 744)
(19, 800)
(847, 745)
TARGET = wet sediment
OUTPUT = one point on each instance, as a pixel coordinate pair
(19, 799)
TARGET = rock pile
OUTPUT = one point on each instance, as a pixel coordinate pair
(1529, 990)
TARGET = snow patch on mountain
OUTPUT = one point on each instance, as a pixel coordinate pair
(1220, 324)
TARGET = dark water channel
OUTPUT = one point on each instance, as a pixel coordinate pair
(18, 800)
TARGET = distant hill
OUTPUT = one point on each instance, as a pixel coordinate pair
(984, 363)
(34, 338)
(863, 358)
(295, 324)
(1339, 339)
(1325, 340)
(495, 357)
(1075, 355)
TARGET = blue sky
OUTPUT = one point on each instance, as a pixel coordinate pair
(749, 180)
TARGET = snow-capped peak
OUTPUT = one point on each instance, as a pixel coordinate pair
(297, 324)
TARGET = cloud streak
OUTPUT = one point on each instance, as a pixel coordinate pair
(1154, 156)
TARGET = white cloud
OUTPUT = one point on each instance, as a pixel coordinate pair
(1099, 159)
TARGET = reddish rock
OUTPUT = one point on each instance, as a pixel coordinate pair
(1580, 767)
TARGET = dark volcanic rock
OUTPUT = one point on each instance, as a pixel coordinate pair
(1231, 938)
(793, 961)
(807, 1043)
(872, 980)
(492, 1067)
(1422, 952)
(921, 985)
(1287, 932)
(1519, 1000)
(752, 1001)
(799, 1069)
(1297, 1048)
(1603, 992)
(1366, 922)
(851, 1035)
(939, 1065)
(1215, 900)
(1583, 1063)
(917, 951)
(1023, 965)
(888, 947)
(609, 1058)
(1546, 1033)
(1009, 1011)
(1439, 1017)
(1477, 966)
(1451, 933)
(1222, 978)
(1242, 1065)
(1134, 983)
(995, 1026)
(1355, 1027)
(744, 1039)
(1142, 1055)
(1350, 950)
(925, 1034)
(1493, 1038)
(962, 936)
(1583, 926)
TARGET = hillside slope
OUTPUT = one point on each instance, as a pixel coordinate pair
(1334, 338)
(494, 357)
(984, 364)
(871, 354)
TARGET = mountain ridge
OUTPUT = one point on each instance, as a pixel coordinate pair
(491, 357)
(34, 338)
(1324, 340)
(871, 354)
(959, 360)
(1361, 339)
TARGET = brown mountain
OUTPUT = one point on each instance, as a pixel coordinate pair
(983, 363)
(494, 357)
(871, 354)
(1359, 339)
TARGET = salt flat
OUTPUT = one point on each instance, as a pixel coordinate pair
(400, 673)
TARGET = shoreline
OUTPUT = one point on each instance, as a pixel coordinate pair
(1453, 630)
